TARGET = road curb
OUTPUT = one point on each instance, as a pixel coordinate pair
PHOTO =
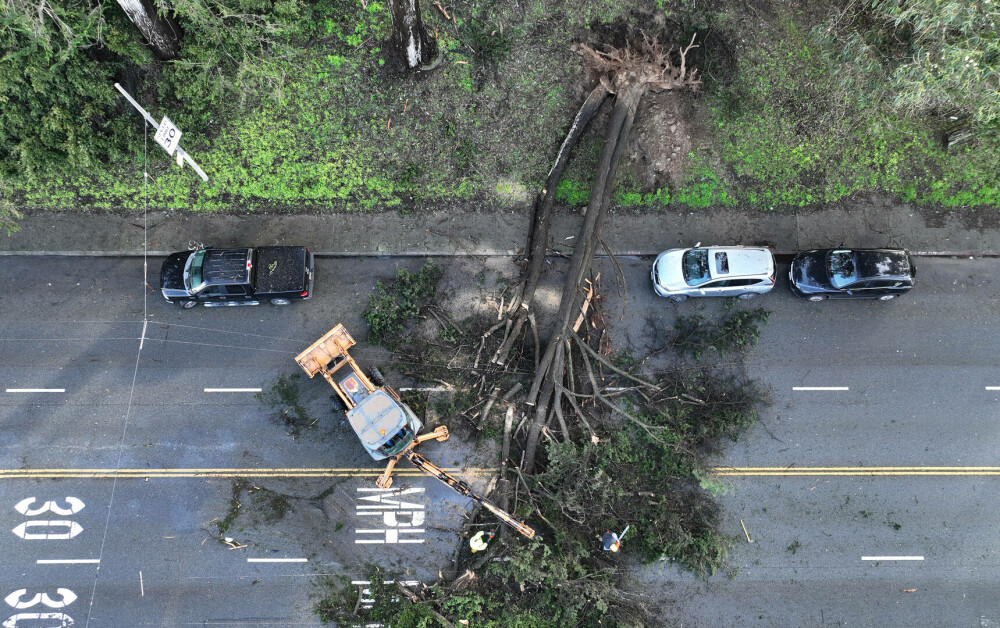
(336, 254)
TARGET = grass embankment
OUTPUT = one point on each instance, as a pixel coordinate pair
(325, 126)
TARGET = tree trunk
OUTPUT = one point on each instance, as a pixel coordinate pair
(160, 30)
(626, 102)
(410, 40)
(538, 236)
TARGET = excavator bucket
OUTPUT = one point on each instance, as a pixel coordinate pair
(332, 345)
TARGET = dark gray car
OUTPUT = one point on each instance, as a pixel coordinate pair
(881, 274)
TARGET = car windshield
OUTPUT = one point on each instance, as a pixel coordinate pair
(695, 266)
(843, 270)
(192, 273)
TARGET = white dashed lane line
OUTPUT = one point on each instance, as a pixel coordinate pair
(216, 390)
(277, 560)
(883, 558)
(820, 388)
(36, 390)
(68, 561)
(993, 388)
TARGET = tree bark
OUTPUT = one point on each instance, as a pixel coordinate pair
(538, 237)
(161, 31)
(410, 40)
(617, 134)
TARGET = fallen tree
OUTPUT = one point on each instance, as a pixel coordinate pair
(588, 443)
(629, 73)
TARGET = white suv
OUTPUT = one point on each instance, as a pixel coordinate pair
(717, 271)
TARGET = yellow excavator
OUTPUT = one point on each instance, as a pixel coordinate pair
(387, 427)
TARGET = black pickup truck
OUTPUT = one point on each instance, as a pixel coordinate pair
(226, 277)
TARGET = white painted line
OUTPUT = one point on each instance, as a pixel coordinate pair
(34, 390)
(142, 589)
(277, 560)
(993, 388)
(433, 389)
(68, 561)
(142, 340)
(212, 390)
(892, 558)
(820, 388)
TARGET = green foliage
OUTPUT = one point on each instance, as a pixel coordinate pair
(652, 477)
(694, 335)
(9, 215)
(393, 306)
(573, 192)
(284, 396)
(230, 52)
(648, 469)
(239, 486)
(703, 188)
(288, 106)
(489, 45)
(56, 88)
(920, 55)
(814, 116)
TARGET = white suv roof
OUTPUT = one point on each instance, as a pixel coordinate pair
(739, 261)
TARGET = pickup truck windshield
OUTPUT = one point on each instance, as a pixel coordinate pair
(192, 272)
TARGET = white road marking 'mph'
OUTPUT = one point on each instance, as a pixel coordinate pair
(215, 390)
(882, 558)
(68, 561)
(819, 388)
(277, 560)
(36, 390)
(402, 520)
(367, 602)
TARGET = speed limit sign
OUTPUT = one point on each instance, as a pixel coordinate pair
(168, 136)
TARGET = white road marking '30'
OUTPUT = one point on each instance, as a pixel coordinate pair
(72, 529)
(23, 507)
(67, 597)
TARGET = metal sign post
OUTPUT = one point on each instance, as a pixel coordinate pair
(167, 135)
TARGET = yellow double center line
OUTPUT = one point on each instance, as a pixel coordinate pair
(851, 471)
(21, 474)
(37, 474)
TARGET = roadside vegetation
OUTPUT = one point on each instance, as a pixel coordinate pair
(290, 105)
(639, 460)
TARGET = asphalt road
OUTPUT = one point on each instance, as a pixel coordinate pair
(146, 545)
(916, 372)
(101, 378)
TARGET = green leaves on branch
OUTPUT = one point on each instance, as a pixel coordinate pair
(922, 55)
(56, 90)
(60, 113)
(393, 306)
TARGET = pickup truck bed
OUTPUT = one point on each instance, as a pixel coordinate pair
(279, 269)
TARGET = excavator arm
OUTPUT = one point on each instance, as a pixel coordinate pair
(459, 486)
